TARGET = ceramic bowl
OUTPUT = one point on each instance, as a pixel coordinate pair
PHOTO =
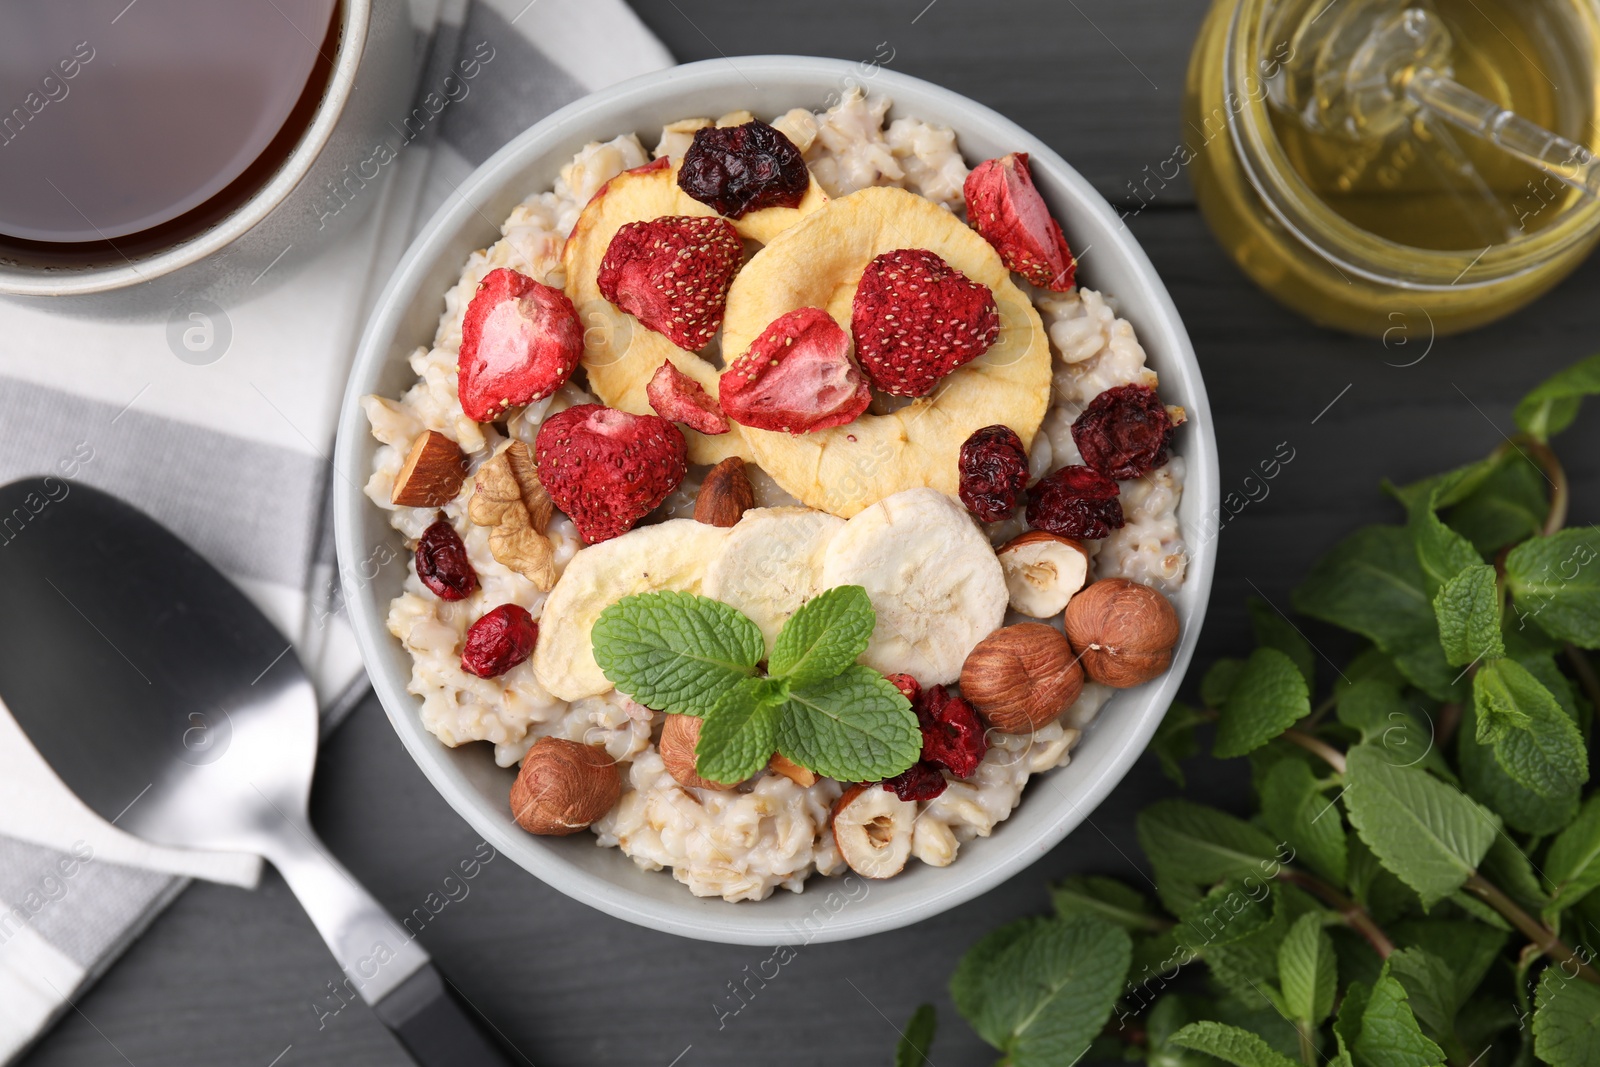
(467, 777)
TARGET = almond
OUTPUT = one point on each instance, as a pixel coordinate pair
(432, 474)
(800, 776)
(725, 495)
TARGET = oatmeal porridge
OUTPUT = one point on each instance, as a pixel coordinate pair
(767, 374)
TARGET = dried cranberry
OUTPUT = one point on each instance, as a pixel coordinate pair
(1124, 432)
(994, 470)
(738, 169)
(442, 563)
(920, 781)
(952, 735)
(907, 685)
(1075, 502)
(499, 641)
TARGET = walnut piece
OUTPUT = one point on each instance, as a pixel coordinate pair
(507, 497)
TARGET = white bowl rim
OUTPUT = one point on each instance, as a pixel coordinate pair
(743, 923)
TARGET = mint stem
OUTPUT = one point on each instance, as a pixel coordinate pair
(1324, 751)
(1353, 914)
(1544, 456)
(1531, 928)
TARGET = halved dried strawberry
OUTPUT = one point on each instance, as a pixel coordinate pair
(672, 274)
(909, 687)
(1005, 207)
(608, 469)
(916, 318)
(520, 342)
(796, 377)
(679, 398)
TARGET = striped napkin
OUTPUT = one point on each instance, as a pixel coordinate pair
(222, 427)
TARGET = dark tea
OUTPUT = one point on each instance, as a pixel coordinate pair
(130, 126)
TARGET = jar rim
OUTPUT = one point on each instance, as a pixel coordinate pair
(1343, 244)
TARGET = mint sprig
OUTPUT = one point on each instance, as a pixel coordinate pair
(691, 655)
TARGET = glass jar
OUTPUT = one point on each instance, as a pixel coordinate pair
(1318, 261)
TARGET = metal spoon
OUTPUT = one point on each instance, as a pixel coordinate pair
(170, 705)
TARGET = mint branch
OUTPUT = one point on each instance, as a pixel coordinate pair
(1535, 931)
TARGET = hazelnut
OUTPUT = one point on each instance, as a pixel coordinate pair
(873, 827)
(803, 777)
(725, 495)
(1042, 572)
(679, 735)
(1021, 677)
(564, 786)
(1124, 631)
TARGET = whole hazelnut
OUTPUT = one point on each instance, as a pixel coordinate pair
(1124, 631)
(679, 735)
(564, 786)
(1021, 677)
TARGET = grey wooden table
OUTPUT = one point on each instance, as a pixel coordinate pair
(231, 977)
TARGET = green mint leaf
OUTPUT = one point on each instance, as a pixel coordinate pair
(1384, 718)
(1441, 551)
(1195, 844)
(1390, 1036)
(1219, 681)
(1535, 742)
(856, 727)
(1468, 610)
(1347, 1024)
(1431, 990)
(676, 652)
(1377, 888)
(1427, 832)
(1372, 584)
(1307, 971)
(1553, 404)
(974, 979)
(1566, 1020)
(1510, 868)
(1237, 928)
(1174, 739)
(1269, 697)
(1294, 808)
(1231, 1045)
(1469, 949)
(1110, 900)
(1572, 867)
(1272, 630)
(738, 735)
(824, 637)
(1508, 506)
(1486, 781)
(917, 1038)
(1555, 583)
(1053, 989)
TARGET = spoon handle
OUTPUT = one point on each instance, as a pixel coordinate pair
(383, 961)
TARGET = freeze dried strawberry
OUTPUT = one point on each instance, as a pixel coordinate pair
(908, 686)
(608, 469)
(1124, 432)
(796, 377)
(738, 169)
(952, 735)
(498, 641)
(672, 274)
(442, 563)
(993, 471)
(1075, 502)
(677, 397)
(920, 781)
(520, 342)
(916, 318)
(1005, 207)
